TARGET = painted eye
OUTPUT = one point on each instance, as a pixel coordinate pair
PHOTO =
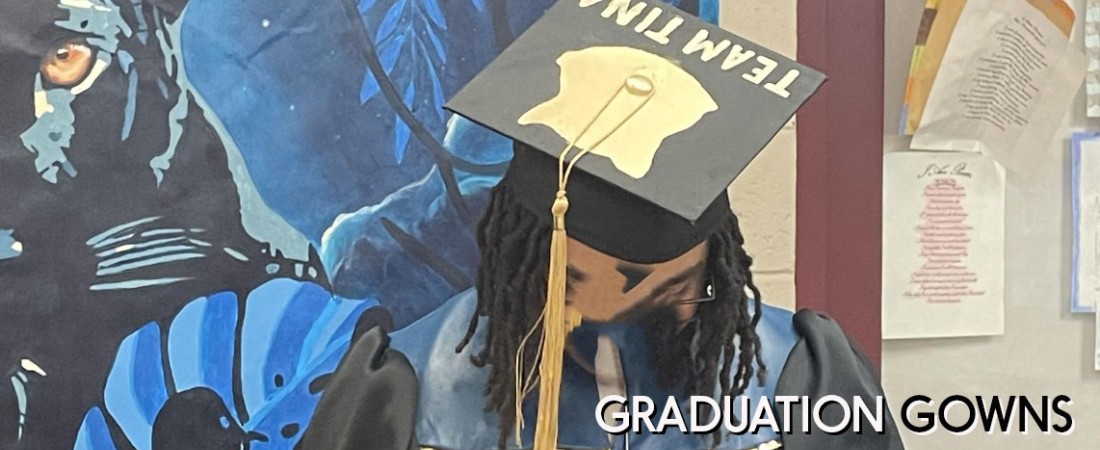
(68, 63)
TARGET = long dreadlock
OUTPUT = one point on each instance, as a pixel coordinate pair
(511, 289)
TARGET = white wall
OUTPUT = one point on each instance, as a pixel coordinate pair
(1045, 350)
(763, 196)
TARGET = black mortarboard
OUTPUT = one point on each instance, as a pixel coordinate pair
(659, 110)
(652, 189)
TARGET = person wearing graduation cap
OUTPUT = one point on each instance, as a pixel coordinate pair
(612, 263)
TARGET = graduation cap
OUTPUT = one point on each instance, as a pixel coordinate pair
(630, 120)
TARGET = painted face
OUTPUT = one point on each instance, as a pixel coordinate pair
(88, 33)
(604, 288)
(71, 86)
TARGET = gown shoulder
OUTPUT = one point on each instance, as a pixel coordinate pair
(370, 402)
(825, 361)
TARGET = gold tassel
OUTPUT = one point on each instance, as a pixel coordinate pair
(554, 332)
(523, 386)
(558, 320)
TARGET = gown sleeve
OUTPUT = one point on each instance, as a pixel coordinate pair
(370, 402)
(826, 362)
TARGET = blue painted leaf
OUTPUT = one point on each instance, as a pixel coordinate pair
(390, 51)
(414, 54)
(422, 55)
(369, 89)
(401, 129)
(277, 317)
(479, 4)
(283, 410)
(335, 326)
(390, 21)
(432, 8)
(302, 351)
(438, 45)
(410, 94)
(94, 434)
(200, 346)
(292, 334)
(388, 56)
(437, 94)
(136, 388)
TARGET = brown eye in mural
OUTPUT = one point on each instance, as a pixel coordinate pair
(67, 64)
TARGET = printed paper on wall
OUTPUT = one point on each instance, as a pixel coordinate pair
(943, 233)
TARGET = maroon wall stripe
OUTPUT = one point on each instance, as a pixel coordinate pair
(838, 248)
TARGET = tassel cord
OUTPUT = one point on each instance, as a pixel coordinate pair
(557, 321)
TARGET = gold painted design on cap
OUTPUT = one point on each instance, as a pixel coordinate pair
(590, 76)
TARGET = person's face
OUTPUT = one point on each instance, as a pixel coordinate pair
(603, 288)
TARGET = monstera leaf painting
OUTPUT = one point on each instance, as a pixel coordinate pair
(220, 378)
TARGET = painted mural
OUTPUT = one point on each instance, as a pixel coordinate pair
(203, 202)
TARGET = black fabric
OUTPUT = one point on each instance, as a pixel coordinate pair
(370, 404)
(611, 220)
(826, 362)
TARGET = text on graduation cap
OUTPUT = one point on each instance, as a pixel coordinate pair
(760, 70)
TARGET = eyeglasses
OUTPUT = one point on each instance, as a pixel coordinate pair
(642, 310)
(708, 298)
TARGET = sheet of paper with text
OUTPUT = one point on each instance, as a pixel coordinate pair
(1006, 80)
(943, 236)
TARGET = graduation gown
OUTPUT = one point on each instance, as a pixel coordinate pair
(410, 390)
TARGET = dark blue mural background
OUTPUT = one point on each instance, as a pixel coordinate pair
(297, 97)
(342, 142)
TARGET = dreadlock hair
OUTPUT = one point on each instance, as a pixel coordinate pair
(511, 290)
